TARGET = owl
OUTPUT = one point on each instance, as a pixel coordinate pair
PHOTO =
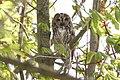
(63, 33)
(62, 28)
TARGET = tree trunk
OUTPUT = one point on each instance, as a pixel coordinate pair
(42, 18)
(94, 44)
(43, 32)
(20, 36)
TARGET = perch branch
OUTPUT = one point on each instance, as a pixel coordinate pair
(42, 70)
(80, 34)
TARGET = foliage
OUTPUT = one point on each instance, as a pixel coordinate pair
(107, 62)
(60, 49)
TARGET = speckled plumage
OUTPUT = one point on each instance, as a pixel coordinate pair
(62, 29)
(63, 33)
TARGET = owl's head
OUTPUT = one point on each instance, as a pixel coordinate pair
(61, 19)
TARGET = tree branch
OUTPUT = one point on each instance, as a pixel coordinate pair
(53, 3)
(80, 34)
(42, 69)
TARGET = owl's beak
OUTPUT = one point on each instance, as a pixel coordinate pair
(62, 24)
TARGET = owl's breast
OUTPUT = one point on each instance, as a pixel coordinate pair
(61, 31)
(59, 35)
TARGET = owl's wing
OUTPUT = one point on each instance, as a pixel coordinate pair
(54, 28)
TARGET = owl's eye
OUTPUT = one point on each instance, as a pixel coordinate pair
(54, 23)
(66, 19)
(58, 19)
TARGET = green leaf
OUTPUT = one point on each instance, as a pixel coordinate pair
(99, 16)
(5, 33)
(76, 7)
(98, 56)
(96, 17)
(46, 50)
(6, 50)
(7, 5)
(90, 56)
(113, 20)
(93, 26)
(118, 66)
(110, 40)
(114, 78)
(60, 48)
(116, 24)
(27, 45)
(117, 14)
(103, 54)
(100, 31)
(115, 41)
(18, 52)
(107, 77)
(117, 46)
(15, 46)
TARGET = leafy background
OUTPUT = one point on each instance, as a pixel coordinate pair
(107, 61)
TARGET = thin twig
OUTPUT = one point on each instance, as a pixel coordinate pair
(113, 52)
(85, 10)
(117, 7)
(52, 57)
(100, 69)
(17, 22)
(78, 11)
(32, 6)
(36, 7)
(29, 11)
(77, 58)
(53, 3)
(35, 1)
(109, 4)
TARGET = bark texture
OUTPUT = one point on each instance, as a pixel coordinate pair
(43, 32)
(94, 44)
